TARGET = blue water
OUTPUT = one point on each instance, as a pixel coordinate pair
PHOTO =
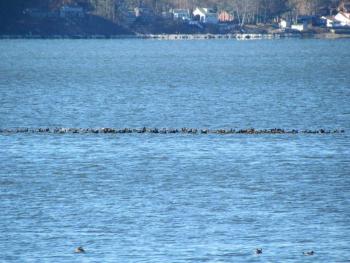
(174, 198)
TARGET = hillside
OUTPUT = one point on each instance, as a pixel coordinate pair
(111, 17)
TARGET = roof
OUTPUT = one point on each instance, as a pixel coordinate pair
(331, 18)
(181, 11)
(225, 12)
(205, 10)
(345, 15)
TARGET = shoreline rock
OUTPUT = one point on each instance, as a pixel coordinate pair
(170, 37)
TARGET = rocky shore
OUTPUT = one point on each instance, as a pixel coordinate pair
(234, 36)
(237, 36)
(165, 131)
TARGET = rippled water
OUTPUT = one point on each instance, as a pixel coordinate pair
(174, 198)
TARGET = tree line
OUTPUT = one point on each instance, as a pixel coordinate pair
(245, 11)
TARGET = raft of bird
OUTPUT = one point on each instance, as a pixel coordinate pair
(166, 131)
(258, 251)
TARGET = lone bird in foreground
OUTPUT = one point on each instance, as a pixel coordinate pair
(258, 251)
(79, 250)
(309, 253)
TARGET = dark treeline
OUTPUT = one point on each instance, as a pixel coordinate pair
(245, 11)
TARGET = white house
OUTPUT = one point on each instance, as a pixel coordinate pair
(343, 18)
(299, 27)
(284, 24)
(206, 15)
(329, 21)
(181, 14)
(340, 20)
(71, 11)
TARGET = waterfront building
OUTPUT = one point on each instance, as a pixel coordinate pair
(206, 15)
(181, 14)
(329, 21)
(343, 18)
(283, 24)
(143, 12)
(225, 16)
(299, 27)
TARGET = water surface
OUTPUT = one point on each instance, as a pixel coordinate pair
(174, 198)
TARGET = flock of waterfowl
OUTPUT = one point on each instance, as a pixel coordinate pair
(167, 131)
(258, 251)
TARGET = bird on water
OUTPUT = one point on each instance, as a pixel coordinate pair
(309, 253)
(258, 251)
(79, 250)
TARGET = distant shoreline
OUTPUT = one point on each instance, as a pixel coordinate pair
(237, 36)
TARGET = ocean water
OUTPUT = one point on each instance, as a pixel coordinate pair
(175, 197)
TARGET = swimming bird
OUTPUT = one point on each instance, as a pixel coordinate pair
(79, 250)
(258, 251)
(309, 253)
